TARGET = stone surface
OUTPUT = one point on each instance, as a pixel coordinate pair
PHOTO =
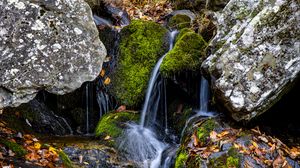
(255, 55)
(214, 143)
(49, 45)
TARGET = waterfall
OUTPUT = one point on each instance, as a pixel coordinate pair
(203, 104)
(140, 142)
(155, 74)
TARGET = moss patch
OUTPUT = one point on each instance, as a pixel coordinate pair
(142, 43)
(179, 22)
(186, 54)
(181, 159)
(205, 129)
(65, 159)
(228, 160)
(112, 123)
(16, 148)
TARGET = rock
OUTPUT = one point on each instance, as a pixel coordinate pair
(179, 19)
(255, 55)
(186, 54)
(46, 45)
(111, 125)
(40, 118)
(142, 43)
(229, 146)
(200, 4)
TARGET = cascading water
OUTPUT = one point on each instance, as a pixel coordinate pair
(203, 103)
(140, 142)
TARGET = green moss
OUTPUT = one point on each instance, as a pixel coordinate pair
(112, 123)
(232, 162)
(181, 159)
(228, 160)
(204, 130)
(142, 43)
(179, 22)
(65, 159)
(16, 148)
(186, 54)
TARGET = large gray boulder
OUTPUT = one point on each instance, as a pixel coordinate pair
(51, 45)
(255, 55)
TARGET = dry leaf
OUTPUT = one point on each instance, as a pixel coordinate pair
(213, 136)
(295, 152)
(195, 140)
(222, 134)
(107, 81)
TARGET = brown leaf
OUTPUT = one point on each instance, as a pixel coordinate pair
(195, 140)
(222, 134)
(264, 139)
(278, 162)
(213, 136)
(294, 152)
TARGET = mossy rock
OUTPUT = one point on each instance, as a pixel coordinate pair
(179, 22)
(142, 44)
(186, 55)
(13, 146)
(113, 123)
(229, 159)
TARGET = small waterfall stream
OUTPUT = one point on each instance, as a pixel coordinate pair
(141, 142)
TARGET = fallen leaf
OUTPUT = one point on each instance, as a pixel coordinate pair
(254, 144)
(213, 136)
(11, 153)
(121, 108)
(195, 140)
(102, 73)
(107, 137)
(278, 162)
(294, 152)
(52, 150)
(264, 139)
(222, 134)
(107, 81)
(37, 146)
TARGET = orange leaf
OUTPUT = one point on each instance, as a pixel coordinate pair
(222, 134)
(102, 73)
(107, 81)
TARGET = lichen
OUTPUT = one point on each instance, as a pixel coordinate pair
(142, 43)
(112, 123)
(13, 146)
(186, 54)
(179, 22)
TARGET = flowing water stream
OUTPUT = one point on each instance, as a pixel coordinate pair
(141, 144)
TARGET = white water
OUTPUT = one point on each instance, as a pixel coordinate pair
(203, 103)
(139, 142)
(154, 75)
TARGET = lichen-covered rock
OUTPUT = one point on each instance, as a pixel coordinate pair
(186, 54)
(142, 44)
(255, 55)
(51, 45)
